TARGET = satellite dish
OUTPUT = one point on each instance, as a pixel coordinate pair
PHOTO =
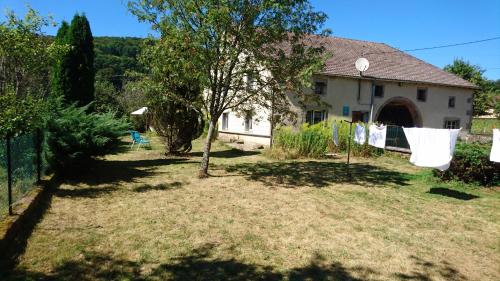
(362, 64)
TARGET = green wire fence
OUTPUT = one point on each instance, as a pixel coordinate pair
(22, 165)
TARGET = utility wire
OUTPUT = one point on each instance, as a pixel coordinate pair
(437, 47)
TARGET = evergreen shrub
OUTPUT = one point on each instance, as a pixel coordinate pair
(75, 137)
(471, 164)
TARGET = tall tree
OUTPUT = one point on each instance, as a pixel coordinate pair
(25, 58)
(74, 74)
(474, 74)
(60, 76)
(174, 96)
(227, 45)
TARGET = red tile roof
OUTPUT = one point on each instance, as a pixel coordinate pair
(386, 63)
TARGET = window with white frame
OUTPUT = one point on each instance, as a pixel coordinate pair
(248, 122)
(320, 87)
(316, 116)
(250, 83)
(451, 102)
(225, 121)
(452, 123)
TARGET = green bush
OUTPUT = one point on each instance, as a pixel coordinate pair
(20, 115)
(75, 137)
(315, 140)
(471, 164)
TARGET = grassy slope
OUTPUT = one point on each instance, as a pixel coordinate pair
(484, 126)
(140, 216)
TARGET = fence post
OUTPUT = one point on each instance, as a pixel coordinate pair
(9, 175)
(38, 143)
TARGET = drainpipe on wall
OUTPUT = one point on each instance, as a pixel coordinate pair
(471, 108)
(359, 90)
(371, 102)
(359, 86)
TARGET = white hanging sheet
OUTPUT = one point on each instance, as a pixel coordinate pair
(359, 134)
(377, 135)
(495, 147)
(335, 134)
(431, 148)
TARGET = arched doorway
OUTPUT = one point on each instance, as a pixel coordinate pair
(399, 111)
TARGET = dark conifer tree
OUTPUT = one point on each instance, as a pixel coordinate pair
(60, 80)
(82, 72)
(74, 74)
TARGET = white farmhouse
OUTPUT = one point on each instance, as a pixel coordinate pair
(397, 89)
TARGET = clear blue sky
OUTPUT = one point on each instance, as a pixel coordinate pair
(401, 24)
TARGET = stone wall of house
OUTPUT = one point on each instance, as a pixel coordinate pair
(342, 92)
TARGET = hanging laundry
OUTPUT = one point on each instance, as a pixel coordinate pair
(495, 147)
(335, 134)
(377, 135)
(359, 134)
(431, 148)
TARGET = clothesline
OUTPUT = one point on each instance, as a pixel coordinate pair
(429, 147)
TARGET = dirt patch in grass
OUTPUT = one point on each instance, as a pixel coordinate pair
(141, 216)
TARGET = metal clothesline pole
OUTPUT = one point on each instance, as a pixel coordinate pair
(348, 148)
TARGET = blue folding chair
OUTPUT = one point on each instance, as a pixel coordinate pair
(137, 139)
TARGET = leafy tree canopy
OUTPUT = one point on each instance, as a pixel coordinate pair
(228, 45)
(174, 97)
(25, 58)
(488, 92)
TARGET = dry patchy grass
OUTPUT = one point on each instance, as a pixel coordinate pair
(141, 216)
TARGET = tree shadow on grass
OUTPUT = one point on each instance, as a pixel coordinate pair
(14, 242)
(196, 265)
(229, 153)
(318, 174)
(161, 186)
(452, 193)
(88, 192)
(91, 266)
(113, 172)
(199, 264)
(426, 271)
(319, 270)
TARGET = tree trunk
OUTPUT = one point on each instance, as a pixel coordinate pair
(271, 133)
(206, 150)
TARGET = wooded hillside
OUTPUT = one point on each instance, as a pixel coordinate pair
(114, 56)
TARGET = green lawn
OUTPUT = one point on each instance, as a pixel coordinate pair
(484, 126)
(140, 216)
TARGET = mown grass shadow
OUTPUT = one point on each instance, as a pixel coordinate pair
(122, 147)
(85, 192)
(424, 271)
(162, 186)
(195, 265)
(199, 264)
(228, 153)
(318, 174)
(113, 172)
(452, 193)
(15, 240)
